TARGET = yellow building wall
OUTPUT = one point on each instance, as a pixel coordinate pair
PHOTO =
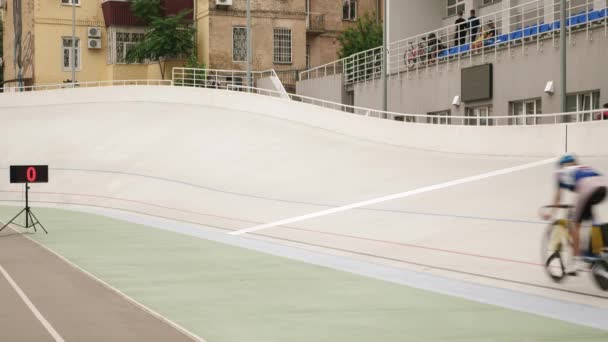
(44, 23)
(54, 21)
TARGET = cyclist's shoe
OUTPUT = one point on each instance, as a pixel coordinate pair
(576, 265)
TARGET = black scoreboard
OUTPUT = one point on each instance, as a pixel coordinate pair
(29, 173)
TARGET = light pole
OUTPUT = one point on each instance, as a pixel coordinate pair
(385, 58)
(73, 42)
(249, 57)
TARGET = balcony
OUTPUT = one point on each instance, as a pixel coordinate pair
(118, 12)
(315, 23)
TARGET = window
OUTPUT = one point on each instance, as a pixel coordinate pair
(520, 110)
(307, 56)
(582, 102)
(70, 2)
(239, 44)
(122, 43)
(455, 6)
(282, 46)
(439, 118)
(489, 2)
(67, 53)
(349, 9)
(479, 116)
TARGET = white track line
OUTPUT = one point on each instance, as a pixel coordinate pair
(32, 307)
(393, 197)
(160, 317)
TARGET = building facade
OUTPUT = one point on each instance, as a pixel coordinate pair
(287, 35)
(38, 41)
(517, 42)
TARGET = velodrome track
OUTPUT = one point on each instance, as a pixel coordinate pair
(221, 162)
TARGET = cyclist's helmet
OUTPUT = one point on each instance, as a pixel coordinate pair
(566, 159)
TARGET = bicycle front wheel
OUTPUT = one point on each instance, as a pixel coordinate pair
(555, 250)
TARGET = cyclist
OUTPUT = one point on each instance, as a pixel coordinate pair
(590, 188)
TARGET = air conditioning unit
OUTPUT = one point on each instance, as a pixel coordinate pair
(223, 2)
(94, 32)
(94, 43)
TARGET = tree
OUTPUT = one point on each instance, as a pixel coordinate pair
(364, 35)
(167, 37)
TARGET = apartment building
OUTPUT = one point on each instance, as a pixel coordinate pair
(514, 53)
(38, 40)
(287, 35)
(326, 20)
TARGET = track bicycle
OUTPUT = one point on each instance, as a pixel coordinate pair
(557, 251)
(415, 55)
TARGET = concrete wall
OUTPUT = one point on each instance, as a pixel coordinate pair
(328, 88)
(413, 17)
(545, 140)
(519, 74)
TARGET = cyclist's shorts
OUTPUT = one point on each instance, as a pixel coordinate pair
(591, 191)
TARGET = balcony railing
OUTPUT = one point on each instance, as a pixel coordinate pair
(528, 25)
(315, 22)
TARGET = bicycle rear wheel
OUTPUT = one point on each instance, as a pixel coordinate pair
(555, 250)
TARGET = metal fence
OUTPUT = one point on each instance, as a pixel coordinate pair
(457, 120)
(523, 26)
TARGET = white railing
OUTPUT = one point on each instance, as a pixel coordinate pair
(467, 120)
(333, 68)
(216, 78)
(112, 83)
(446, 118)
(519, 27)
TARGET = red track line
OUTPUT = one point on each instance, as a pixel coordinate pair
(292, 228)
(335, 248)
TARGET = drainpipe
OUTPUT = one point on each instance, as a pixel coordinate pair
(195, 19)
(563, 47)
(74, 42)
(249, 49)
(385, 59)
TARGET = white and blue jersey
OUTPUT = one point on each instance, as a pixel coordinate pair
(568, 177)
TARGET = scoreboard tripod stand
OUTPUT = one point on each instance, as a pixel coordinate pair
(27, 175)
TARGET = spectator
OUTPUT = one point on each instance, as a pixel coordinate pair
(491, 31)
(474, 25)
(432, 46)
(484, 35)
(460, 37)
(605, 113)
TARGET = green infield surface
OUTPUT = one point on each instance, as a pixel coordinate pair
(226, 293)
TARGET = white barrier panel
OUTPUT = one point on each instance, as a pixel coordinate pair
(543, 140)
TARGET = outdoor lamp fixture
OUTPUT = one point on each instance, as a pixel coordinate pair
(550, 88)
(456, 101)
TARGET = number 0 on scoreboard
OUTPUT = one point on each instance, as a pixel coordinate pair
(29, 173)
